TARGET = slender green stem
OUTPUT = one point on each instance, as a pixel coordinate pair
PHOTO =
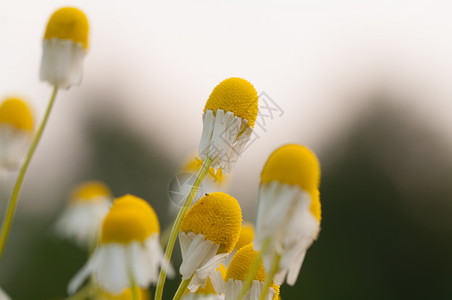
(252, 272)
(182, 288)
(176, 226)
(270, 275)
(134, 291)
(9, 215)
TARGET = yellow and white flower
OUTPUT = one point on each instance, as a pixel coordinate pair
(238, 272)
(16, 132)
(289, 210)
(129, 252)
(228, 122)
(82, 218)
(142, 294)
(64, 48)
(207, 235)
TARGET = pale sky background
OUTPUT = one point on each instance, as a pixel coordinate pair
(320, 61)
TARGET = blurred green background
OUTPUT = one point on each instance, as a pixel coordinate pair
(386, 228)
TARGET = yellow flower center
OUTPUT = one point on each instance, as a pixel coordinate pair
(293, 165)
(16, 113)
(91, 191)
(142, 294)
(130, 219)
(246, 235)
(241, 263)
(218, 217)
(195, 164)
(68, 23)
(237, 96)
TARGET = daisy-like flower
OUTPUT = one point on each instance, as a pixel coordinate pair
(238, 271)
(82, 218)
(129, 252)
(16, 132)
(64, 48)
(289, 213)
(228, 122)
(208, 292)
(208, 234)
(246, 237)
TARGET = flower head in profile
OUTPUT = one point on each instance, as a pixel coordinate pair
(82, 217)
(228, 122)
(289, 211)
(16, 132)
(64, 48)
(238, 271)
(208, 234)
(129, 252)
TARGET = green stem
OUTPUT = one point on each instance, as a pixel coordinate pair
(134, 291)
(9, 215)
(176, 226)
(252, 272)
(271, 274)
(182, 288)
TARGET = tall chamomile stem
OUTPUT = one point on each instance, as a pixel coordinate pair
(252, 272)
(182, 288)
(9, 215)
(176, 226)
(270, 276)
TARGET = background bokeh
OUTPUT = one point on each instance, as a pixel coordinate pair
(364, 84)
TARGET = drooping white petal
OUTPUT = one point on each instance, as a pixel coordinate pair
(14, 144)
(233, 288)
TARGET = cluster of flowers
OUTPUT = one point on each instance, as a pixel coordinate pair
(221, 257)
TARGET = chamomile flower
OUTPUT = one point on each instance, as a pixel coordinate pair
(238, 271)
(289, 213)
(82, 217)
(129, 252)
(3, 295)
(64, 48)
(208, 292)
(228, 122)
(16, 132)
(208, 234)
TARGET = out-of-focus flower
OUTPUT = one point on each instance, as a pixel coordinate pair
(3, 295)
(16, 132)
(64, 48)
(82, 217)
(289, 210)
(208, 292)
(129, 252)
(228, 122)
(208, 234)
(238, 271)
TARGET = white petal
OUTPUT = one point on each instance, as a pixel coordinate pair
(112, 273)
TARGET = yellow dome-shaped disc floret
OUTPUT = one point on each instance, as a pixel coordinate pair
(218, 217)
(92, 190)
(316, 207)
(129, 220)
(68, 23)
(16, 113)
(294, 165)
(143, 294)
(241, 263)
(237, 96)
(246, 235)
